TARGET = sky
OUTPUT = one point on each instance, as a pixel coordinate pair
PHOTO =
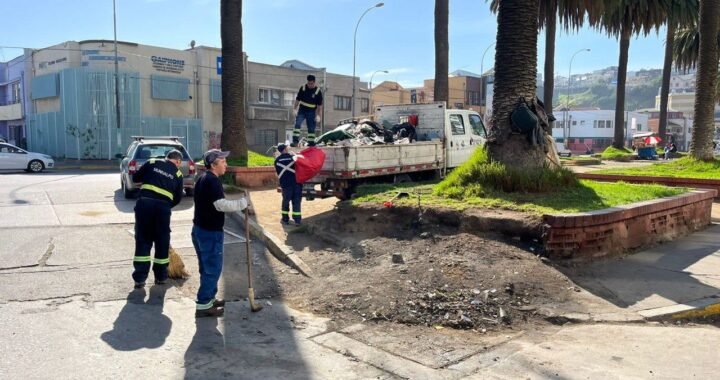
(397, 37)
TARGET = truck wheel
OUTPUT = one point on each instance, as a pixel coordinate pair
(402, 178)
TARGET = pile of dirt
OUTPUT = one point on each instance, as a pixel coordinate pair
(432, 276)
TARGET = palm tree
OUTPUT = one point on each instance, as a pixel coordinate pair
(572, 15)
(682, 12)
(623, 19)
(233, 83)
(706, 81)
(441, 50)
(515, 52)
(686, 48)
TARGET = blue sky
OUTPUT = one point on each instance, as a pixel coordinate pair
(397, 37)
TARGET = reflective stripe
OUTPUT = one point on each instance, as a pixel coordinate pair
(152, 160)
(285, 212)
(204, 306)
(161, 261)
(310, 135)
(296, 214)
(179, 173)
(142, 259)
(308, 105)
(296, 132)
(157, 190)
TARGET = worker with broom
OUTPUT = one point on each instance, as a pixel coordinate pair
(161, 190)
(207, 231)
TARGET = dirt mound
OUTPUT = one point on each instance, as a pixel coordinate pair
(432, 275)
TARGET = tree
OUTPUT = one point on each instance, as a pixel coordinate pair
(442, 48)
(623, 19)
(686, 48)
(682, 12)
(234, 136)
(706, 81)
(515, 52)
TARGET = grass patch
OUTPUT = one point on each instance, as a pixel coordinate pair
(255, 159)
(612, 153)
(585, 196)
(686, 167)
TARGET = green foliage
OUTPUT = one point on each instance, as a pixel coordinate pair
(479, 176)
(255, 159)
(686, 167)
(585, 196)
(612, 153)
(602, 96)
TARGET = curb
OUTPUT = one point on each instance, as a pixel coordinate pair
(274, 245)
(704, 307)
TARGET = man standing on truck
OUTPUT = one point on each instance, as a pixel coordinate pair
(291, 190)
(308, 107)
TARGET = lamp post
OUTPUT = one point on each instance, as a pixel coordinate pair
(482, 60)
(371, 79)
(352, 101)
(482, 80)
(566, 128)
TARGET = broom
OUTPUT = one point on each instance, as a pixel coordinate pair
(176, 268)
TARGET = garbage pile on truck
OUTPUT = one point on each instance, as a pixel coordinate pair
(368, 132)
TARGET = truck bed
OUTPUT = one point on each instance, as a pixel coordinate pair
(371, 160)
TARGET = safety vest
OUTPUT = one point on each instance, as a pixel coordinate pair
(304, 89)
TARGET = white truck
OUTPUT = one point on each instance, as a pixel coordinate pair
(446, 139)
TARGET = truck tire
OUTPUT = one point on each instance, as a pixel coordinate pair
(402, 178)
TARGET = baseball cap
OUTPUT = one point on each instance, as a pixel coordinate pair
(213, 154)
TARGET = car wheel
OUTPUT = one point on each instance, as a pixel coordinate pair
(189, 192)
(35, 166)
(127, 193)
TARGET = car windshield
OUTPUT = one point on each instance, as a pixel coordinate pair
(148, 151)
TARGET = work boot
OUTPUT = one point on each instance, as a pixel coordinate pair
(139, 285)
(293, 144)
(219, 303)
(211, 312)
(285, 222)
(161, 282)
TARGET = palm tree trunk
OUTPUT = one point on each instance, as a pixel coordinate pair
(234, 136)
(619, 137)
(665, 89)
(442, 48)
(515, 52)
(704, 123)
(549, 84)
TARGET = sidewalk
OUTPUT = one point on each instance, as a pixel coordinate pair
(70, 164)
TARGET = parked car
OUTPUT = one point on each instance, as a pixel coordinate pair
(142, 149)
(14, 158)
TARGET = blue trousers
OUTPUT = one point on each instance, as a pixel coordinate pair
(152, 227)
(292, 194)
(209, 249)
(307, 115)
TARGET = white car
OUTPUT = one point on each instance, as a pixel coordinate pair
(14, 158)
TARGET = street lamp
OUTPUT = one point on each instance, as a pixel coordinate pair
(371, 88)
(352, 102)
(482, 82)
(566, 128)
(482, 60)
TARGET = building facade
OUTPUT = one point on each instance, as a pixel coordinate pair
(70, 98)
(12, 121)
(594, 129)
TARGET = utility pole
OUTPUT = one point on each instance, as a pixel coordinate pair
(117, 85)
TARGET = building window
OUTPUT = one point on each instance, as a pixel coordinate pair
(364, 105)
(266, 137)
(342, 103)
(268, 96)
(288, 99)
(574, 122)
(595, 123)
(582, 122)
(169, 88)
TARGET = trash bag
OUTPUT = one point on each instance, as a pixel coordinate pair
(335, 135)
(308, 163)
(523, 118)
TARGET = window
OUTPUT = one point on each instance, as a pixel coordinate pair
(215, 91)
(474, 97)
(266, 137)
(364, 105)
(477, 126)
(456, 124)
(608, 123)
(169, 88)
(342, 103)
(574, 122)
(582, 122)
(269, 96)
(595, 123)
(288, 99)
(8, 149)
(458, 106)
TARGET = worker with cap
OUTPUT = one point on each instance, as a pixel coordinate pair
(207, 231)
(291, 190)
(161, 190)
(308, 107)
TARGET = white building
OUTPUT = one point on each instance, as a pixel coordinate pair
(594, 129)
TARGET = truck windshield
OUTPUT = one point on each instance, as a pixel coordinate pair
(477, 125)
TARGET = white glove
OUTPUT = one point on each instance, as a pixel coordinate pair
(317, 118)
(295, 111)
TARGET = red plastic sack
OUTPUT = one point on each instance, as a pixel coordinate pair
(308, 163)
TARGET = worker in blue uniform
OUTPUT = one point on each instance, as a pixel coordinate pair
(308, 108)
(161, 190)
(291, 190)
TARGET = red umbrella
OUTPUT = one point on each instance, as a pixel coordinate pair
(652, 140)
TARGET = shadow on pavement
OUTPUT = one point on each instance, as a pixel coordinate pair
(128, 205)
(140, 324)
(243, 344)
(681, 271)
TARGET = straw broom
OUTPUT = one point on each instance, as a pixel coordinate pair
(176, 268)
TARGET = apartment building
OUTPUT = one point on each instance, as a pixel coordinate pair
(12, 124)
(594, 129)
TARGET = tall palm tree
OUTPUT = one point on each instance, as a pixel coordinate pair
(706, 81)
(442, 48)
(234, 136)
(572, 15)
(686, 48)
(515, 52)
(681, 13)
(623, 19)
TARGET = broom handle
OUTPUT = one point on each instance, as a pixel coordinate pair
(247, 247)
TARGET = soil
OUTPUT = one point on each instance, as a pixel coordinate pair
(445, 270)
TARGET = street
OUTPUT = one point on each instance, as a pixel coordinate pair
(68, 310)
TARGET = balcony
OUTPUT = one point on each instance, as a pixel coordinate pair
(11, 112)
